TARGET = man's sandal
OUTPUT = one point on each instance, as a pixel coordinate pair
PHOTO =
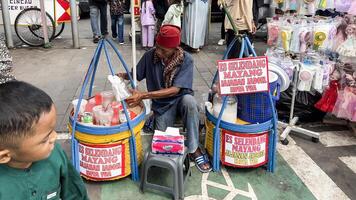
(201, 160)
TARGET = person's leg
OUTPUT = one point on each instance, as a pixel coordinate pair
(235, 50)
(120, 28)
(222, 30)
(103, 19)
(94, 13)
(166, 119)
(188, 110)
(144, 36)
(151, 36)
(114, 21)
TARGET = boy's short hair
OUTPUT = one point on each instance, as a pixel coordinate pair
(21, 106)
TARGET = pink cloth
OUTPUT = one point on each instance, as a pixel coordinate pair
(345, 104)
(352, 9)
(148, 36)
(342, 5)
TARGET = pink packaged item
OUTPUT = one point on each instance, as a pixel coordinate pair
(168, 148)
(169, 142)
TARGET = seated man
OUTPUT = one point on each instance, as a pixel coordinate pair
(168, 71)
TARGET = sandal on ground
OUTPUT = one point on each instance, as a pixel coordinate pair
(201, 160)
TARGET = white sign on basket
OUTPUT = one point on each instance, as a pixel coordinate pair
(243, 75)
(244, 150)
(104, 162)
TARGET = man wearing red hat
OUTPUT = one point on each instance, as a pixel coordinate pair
(168, 71)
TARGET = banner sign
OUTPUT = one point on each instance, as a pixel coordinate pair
(102, 162)
(244, 150)
(243, 75)
(137, 8)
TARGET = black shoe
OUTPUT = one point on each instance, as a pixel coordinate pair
(96, 39)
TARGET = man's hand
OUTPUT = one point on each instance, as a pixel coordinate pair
(254, 29)
(135, 98)
(123, 75)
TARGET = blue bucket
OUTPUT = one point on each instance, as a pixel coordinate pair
(256, 107)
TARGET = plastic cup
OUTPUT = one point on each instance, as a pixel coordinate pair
(96, 113)
(105, 117)
(82, 105)
(108, 97)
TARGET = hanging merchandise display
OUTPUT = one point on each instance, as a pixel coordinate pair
(325, 51)
(302, 34)
(309, 7)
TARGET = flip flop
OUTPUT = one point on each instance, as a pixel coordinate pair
(201, 160)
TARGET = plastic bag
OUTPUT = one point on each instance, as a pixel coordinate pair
(303, 107)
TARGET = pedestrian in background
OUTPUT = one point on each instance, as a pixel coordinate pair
(173, 15)
(195, 23)
(117, 8)
(148, 24)
(161, 7)
(98, 7)
(241, 12)
(222, 29)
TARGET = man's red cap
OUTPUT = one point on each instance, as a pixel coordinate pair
(168, 36)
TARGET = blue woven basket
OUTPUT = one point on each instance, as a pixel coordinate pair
(256, 107)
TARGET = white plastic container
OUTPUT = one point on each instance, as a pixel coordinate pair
(230, 110)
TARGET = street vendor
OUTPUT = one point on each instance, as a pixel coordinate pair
(168, 71)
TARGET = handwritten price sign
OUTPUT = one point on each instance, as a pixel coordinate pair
(244, 150)
(243, 75)
(105, 162)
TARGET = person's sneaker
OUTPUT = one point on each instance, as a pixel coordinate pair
(121, 43)
(221, 42)
(96, 39)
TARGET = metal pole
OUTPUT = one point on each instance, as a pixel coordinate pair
(44, 23)
(133, 39)
(74, 23)
(208, 24)
(7, 23)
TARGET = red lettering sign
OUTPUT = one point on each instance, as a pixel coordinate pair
(244, 150)
(100, 162)
(243, 75)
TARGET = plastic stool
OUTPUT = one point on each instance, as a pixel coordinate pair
(174, 163)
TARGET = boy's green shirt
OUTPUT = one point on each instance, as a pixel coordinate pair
(50, 179)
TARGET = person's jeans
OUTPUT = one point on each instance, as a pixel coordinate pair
(188, 110)
(95, 10)
(117, 27)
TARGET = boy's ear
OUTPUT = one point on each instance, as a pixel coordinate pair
(5, 156)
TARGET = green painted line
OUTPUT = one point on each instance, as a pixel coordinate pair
(283, 184)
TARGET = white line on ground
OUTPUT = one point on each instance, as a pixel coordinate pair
(350, 161)
(63, 136)
(337, 138)
(317, 181)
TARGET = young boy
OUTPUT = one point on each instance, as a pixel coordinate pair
(32, 165)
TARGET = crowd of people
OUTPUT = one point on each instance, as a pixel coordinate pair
(189, 15)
